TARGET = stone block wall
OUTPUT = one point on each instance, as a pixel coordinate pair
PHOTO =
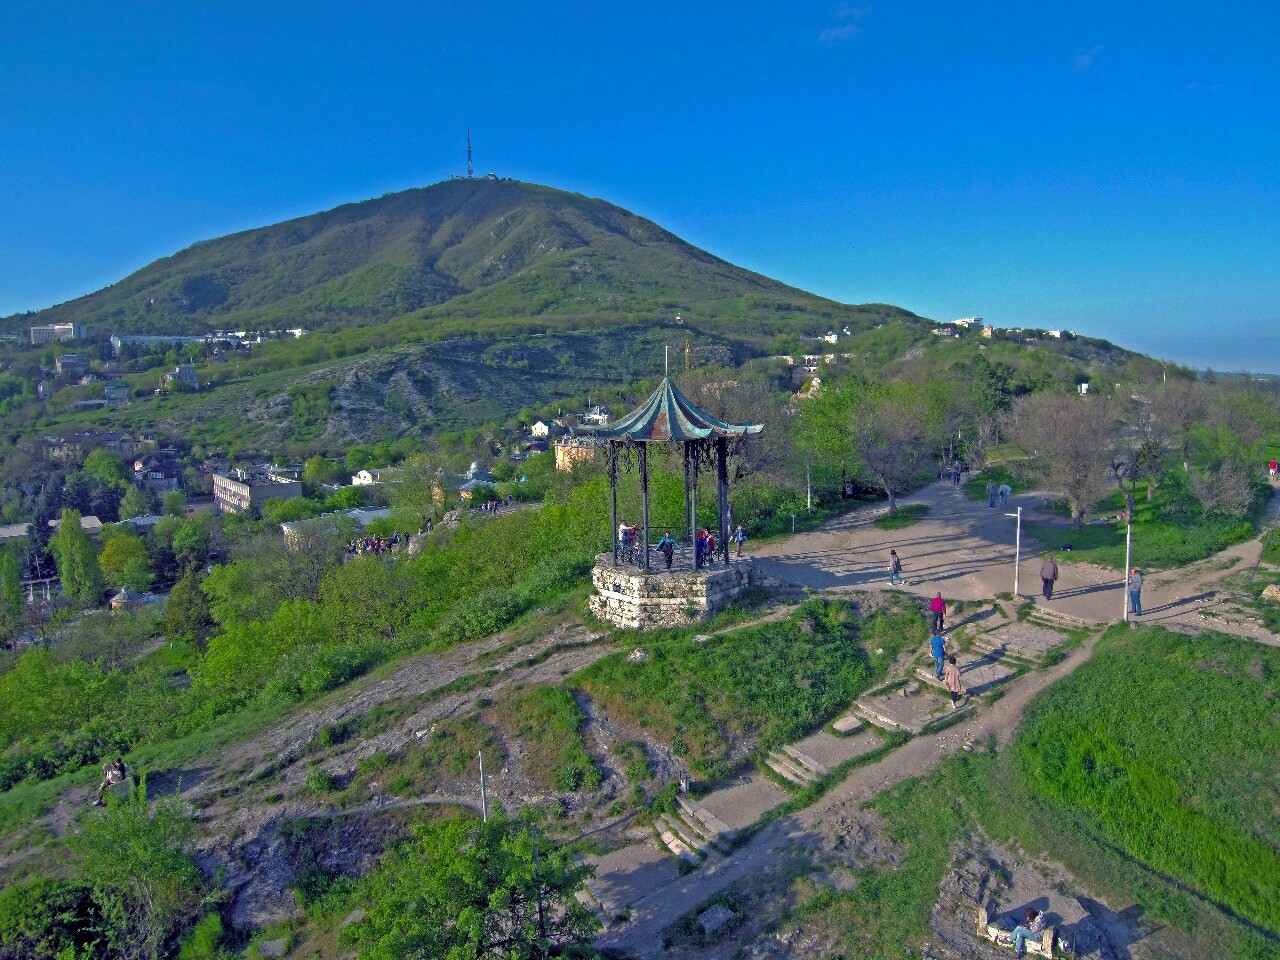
(627, 597)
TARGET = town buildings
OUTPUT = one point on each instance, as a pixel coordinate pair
(56, 331)
(242, 490)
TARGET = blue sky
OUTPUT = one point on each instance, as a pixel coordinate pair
(1109, 168)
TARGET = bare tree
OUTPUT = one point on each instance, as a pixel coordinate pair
(1175, 408)
(1225, 490)
(1068, 438)
(894, 436)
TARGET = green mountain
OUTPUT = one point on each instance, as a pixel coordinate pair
(475, 249)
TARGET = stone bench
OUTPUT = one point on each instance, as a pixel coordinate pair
(998, 928)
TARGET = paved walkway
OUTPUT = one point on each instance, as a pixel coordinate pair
(965, 549)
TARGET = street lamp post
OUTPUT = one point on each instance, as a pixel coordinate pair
(1017, 551)
(1128, 564)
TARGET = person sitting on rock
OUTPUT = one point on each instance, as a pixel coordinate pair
(1030, 929)
(113, 773)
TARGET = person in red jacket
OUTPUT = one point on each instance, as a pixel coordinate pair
(939, 610)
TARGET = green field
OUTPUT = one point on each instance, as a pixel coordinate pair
(769, 683)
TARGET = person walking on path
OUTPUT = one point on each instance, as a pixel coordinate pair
(938, 607)
(938, 646)
(667, 547)
(1273, 468)
(1135, 592)
(739, 537)
(1004, 492)
(951, 680)
(1048, 575)
(955, 474)
(895, 568)
(991, 493)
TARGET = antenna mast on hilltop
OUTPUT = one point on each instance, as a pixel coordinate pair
(470, 170)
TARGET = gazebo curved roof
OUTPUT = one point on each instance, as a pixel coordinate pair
(669, 415)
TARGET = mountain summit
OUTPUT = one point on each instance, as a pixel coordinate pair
(461, 248)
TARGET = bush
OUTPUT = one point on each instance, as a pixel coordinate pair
(48, 918)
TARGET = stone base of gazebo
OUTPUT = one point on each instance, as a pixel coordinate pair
(628, 597)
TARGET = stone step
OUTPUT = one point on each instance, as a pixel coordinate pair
(1050, 617)
(712, 826)
(965, 707)
(698, 835)
(1000, 651)
(884, 723)
(784, 766)
(926, 676)
(848, 725)
(673, 842)
(689, 835)
(810, 764)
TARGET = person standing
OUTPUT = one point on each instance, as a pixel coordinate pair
(1004, 492)
(951, 680)
(1048, 576)
(938, 647)
(938, 607)
(955, 474)
(991, 493)
(1135, 591)
(895, 568)
(1273, 468)
(667, 547)
(739, 537)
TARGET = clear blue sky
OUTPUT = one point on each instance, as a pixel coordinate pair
(1112, 168)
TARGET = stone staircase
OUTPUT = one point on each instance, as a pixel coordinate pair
(794, 767)
(1052, 619)
(692, 834)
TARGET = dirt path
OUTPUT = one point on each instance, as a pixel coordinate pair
(965, 549)
(650, 915)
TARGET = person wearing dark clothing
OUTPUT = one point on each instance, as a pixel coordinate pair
(1048, 576)
(1030, 930)
(667, 547)
(895, 568)
(938, 607)
(1135, 592)
(991, 493)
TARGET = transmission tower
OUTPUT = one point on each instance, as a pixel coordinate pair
(470, 169)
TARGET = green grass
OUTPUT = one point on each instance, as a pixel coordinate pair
(1168, 531)
(906, 516)
(770, 683)
(1165, 746)
(975, 488)
(548, 722)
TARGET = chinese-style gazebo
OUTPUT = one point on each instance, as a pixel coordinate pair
(668, 416)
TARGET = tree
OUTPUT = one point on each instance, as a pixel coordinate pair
(136, 503)
(483, 890)
(173, 502)
(893, 434)
(77, 562)
(12, 605)
(1067, 437)
(107, 466)
(1176, 407)
(120, 552)
(346, 498)
(135, 859)
(186, 612)
(1225, 489)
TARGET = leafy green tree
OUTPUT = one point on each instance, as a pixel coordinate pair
(468, 889)
(12, 605)
(173, 502)
(134, 857)
(191, 542)
(276, 510)
(77, 561)
(186, 612)
(1067, 437)
(347, 498)
(107, 466)
(136, 503)
(120, 552)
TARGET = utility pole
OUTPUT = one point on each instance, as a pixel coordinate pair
(1128, 561)
(484, 796)
(808, 482)
(470, 169)
(1017, 552)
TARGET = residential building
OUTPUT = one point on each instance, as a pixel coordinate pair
(356, 520)
(157, 473)
(14, 533)
(74, 447)
(183, 375)
(116, 393)
(545, 429)
(597, 415)
(88, 523)
(71, 365)
(56, 331)
(242, 490)
(573, 451)
(477, 476)
(368, 478)
(120, 340)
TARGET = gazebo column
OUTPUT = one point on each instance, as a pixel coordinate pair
(613, 493)
(644, 500)
(722, 481)
(691, 478)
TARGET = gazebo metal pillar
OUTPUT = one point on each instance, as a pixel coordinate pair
(644, 500)
(690, 535)
(613, 492)
(722, 484)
